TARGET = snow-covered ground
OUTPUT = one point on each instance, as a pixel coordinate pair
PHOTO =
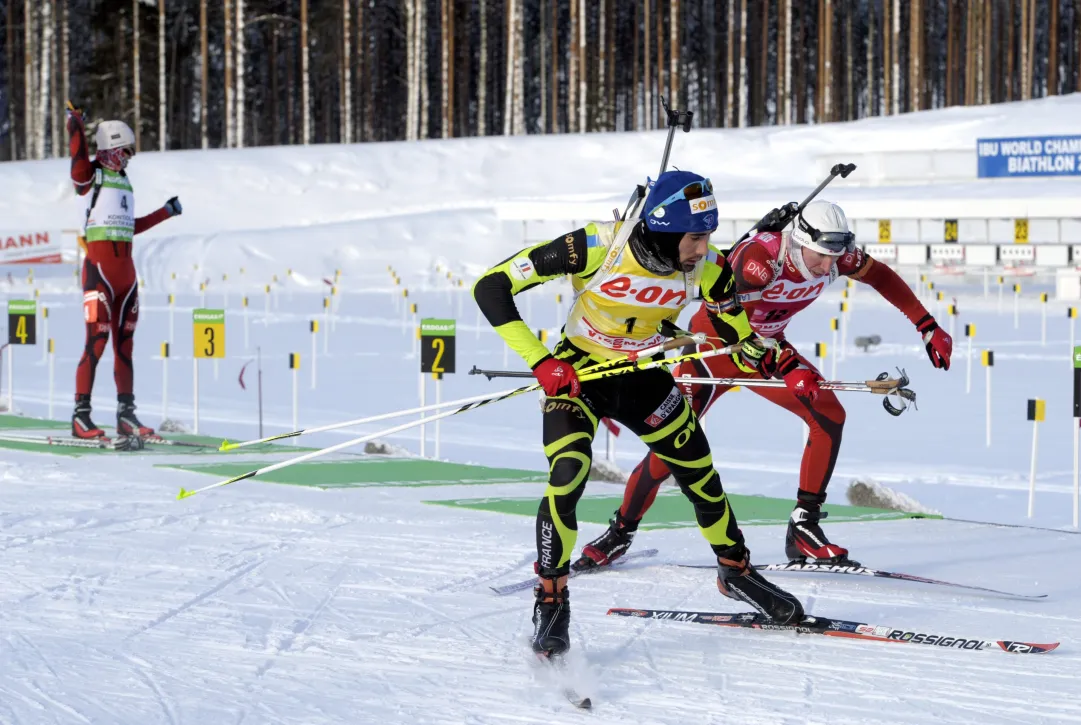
(260, 603)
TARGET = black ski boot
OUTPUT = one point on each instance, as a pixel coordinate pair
(805, 538)
(81, 425)
(737, 579)
(609, 546)
(126, 422)
(551, 616)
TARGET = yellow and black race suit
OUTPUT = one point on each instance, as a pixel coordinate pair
(617, 308)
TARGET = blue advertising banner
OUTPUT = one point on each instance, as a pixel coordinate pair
(1029, 156)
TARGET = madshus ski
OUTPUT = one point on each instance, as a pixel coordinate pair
(528, 583)
(795, 566)
(837, 628)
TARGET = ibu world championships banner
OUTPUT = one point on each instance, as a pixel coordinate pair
(1029, 156)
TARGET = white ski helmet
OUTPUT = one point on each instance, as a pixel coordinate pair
(113, 135)
(820, 227)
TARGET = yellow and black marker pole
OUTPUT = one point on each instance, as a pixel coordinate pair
(1001, 284)
(970, 335)
(294, 365)
(328, 304)
(266, 308)
(1017, 307)
(313, 328)
(1036, 414)
(1043, 319)
(51, 348)
(1076, 433)
(835, 325)
(951, 312)
(164, 380)
(988, 359)
(45, 333)
(840, 348)
(244, 309)
(1071, 314)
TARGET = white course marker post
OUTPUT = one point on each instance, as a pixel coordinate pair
(172, 306)
(1076, 434)
(405, 310)
(951, 312)
(334, 304)
(438, 399)
(1036, 413)
(326, 325)
(834, 325)
(1016, 306)
(314, 329)
(416, 330)
(224, 292)
(266, 307)
(208, 341)
(970, 334)
(1043, 319)
(45, 332)
(932, 298)
(840, 348)
(244, 305)
(202, 294)
(274, 280)
(164, 380)
(294, 365)
(51, 346)
(1001, 284)
(1071, 313)
(988, 357)
(423, 434)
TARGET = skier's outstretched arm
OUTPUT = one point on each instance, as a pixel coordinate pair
(82, 171)
(578, 253)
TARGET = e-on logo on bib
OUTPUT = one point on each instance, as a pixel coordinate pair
(646, 291)
(793, 291)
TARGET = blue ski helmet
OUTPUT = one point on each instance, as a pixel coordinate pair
(680, 201)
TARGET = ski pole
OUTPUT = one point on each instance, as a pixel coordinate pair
(227, 446)
(842, 170)
(184, 493)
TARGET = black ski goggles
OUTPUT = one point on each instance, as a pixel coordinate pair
(835, 242)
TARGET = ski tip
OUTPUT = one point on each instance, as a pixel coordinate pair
(584, 704)
(227, 446)
(1027, 647)
(184, 493)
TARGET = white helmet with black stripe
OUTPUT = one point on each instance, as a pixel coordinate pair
(821, 227)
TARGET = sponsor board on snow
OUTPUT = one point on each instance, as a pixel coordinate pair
(31, 246)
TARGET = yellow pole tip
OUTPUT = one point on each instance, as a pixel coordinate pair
(184, 493)
(227, 446)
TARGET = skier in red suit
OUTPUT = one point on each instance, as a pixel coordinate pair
(110, 284)
(777, 274)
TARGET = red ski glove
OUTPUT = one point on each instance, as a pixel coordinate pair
(938, 341)
(557, 377)
(803, 382)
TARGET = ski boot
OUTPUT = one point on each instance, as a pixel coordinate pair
(126, 422)
(737, 579)
(551, 616)
(609, 546)
(81, 425)
(805, 538)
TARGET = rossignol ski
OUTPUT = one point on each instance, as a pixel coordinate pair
(838, 628)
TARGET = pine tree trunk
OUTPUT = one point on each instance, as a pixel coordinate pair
(827, 102)
(425, 107)
(444, 67)
(886, 84)
(636, 74)
(729, 72)
(673, 52)
(647, 69)
(850, 111)
(230, 104)
(554, 69)
(508, 71)
(276, 123)
(361, 118)
(743, 53)
(55, 112)
(203, 49)
(162, 138)
(870, 108)
(10, 48)
(44, 52)
(241, 68)
(1031, 45)
(781, 73)
(453, 71)
(1025, 87)
(346, 116)
(659, 116)
(600, 113)
(583, 75)
(411, 54)
(542, 70)
(305, 81)
(136, 76)
(482, 73)
(895, 59)
(763, 68)
(1052, 51)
